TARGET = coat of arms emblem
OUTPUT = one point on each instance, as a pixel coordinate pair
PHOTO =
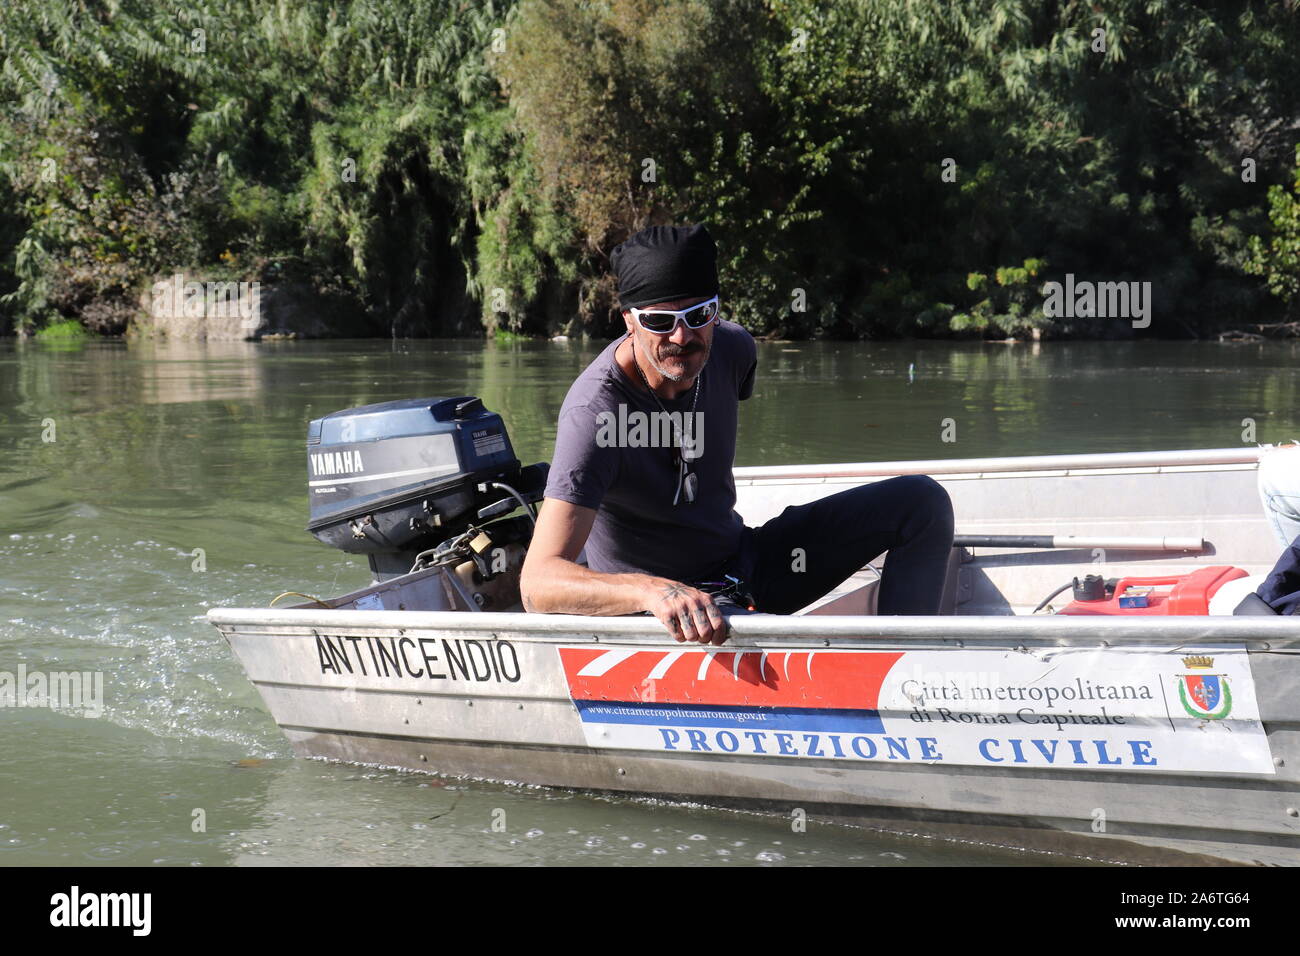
(1203, 694)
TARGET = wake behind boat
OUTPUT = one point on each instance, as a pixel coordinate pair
(1096, 727)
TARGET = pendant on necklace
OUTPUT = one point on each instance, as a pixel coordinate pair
(689, 485)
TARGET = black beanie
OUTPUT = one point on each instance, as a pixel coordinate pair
(663, 263)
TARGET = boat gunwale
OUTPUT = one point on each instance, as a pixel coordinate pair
(1021, 465)
(798, 630)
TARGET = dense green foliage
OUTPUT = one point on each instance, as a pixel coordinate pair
(868, 168)
(341, 144)
(1279, 258)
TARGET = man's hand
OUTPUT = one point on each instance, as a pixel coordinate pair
(552, 583)
(688, 614)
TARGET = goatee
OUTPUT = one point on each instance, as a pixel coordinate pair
(676, 376)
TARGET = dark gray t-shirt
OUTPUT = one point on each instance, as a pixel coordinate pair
(637, 527)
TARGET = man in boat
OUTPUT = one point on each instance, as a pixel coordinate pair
(642, 476)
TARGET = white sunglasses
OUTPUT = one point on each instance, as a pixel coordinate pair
(664, 321)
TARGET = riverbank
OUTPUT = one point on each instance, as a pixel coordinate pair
(877, 170)
(289, 316)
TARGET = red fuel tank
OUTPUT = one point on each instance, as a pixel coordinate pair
(1175, 594)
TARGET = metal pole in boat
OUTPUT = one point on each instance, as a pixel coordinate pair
(1077, 541)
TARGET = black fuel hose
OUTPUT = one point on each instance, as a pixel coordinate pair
(1068, 584)
(528, 509)
(1110, 585)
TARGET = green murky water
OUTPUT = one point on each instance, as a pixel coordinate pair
(161, 450)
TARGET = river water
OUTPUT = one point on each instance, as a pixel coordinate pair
(175, 482)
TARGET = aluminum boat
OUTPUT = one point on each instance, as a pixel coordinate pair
(1124, 737)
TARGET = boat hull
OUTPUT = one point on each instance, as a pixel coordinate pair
(841, 715)
(514, 708)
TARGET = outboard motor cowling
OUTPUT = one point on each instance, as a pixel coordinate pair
(395, 479)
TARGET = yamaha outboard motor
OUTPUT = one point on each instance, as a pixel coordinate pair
(412, 483)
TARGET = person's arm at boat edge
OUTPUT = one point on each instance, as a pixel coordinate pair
(583, 470)
(552, 582)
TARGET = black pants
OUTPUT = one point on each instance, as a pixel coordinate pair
(807, 550)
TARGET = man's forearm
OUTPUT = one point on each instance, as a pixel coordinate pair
(558, 586)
